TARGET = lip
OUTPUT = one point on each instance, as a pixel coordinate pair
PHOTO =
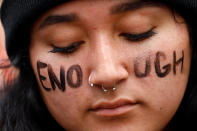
(113, 108)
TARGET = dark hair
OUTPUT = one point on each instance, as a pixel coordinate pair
(22, 108)
(186, 116)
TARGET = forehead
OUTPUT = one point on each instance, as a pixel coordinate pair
(111, 5)
(83, 4)
(72, 11)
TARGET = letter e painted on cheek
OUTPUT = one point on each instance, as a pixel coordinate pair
(166, 68)
(79, 75)
(53, 78)
(41, 65)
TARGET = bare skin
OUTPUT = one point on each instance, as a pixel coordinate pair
(105, 42)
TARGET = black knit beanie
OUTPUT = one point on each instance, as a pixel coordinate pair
(17, 18)
(19, 15)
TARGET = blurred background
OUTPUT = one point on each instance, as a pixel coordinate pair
(7, 72)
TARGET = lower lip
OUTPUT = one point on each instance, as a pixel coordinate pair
(114, 111)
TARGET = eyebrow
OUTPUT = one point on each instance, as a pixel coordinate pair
(133, 5)
(55, 19)
(120, 8)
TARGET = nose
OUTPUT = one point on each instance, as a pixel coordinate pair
(108, 67)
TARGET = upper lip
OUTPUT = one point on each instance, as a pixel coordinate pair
(112, 104)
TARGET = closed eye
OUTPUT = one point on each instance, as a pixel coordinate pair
(138, 37)
(67, 50)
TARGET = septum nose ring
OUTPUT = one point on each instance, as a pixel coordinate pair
(113, 89)
(102, 86)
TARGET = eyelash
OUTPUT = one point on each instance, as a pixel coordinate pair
(68, 50)
(130, 37)
(138, 37)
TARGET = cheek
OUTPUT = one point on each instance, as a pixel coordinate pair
(162, 92)
(163, 96)
(58, 76)
(64, 105)
(161, 75)
(165, 81)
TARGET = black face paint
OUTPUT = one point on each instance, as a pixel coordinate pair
(41, 65)
(79, 73)
(53, 78)
(147, 69)
(177, 62)
(61, 84)
(166, 68)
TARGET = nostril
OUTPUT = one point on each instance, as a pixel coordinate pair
(102, 86)
(108, 71)
(108, 77)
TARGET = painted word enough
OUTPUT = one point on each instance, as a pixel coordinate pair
(161, 71)
(61, 84)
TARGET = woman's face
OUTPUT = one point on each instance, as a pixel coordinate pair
(140, 48)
